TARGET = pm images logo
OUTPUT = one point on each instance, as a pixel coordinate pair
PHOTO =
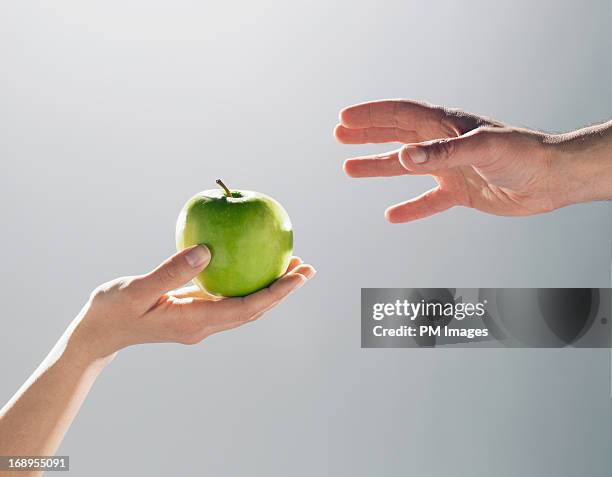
(486, 317)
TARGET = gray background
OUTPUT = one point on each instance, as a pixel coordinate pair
(112, 114)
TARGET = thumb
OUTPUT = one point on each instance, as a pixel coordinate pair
(472, 148)
(174, 272)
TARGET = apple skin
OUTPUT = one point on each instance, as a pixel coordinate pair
(249, 236)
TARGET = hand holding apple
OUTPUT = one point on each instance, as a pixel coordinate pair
(120, 313)
(142, 309)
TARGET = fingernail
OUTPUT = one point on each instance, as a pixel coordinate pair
(198, 256)
(416, 154)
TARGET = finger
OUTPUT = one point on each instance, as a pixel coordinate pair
(431, 202)
(429, 120)
(307, 270)
(173, 273)
(380, 165)
(473, 148)
(294, 262)
(374, 135)
(243, 308)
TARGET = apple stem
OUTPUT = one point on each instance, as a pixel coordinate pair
(221, 184)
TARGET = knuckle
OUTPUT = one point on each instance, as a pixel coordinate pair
(132, 287)
(119, 291)
(127, 285)
(447, 123)
(107, 291)
(443, 149)
(170, 273)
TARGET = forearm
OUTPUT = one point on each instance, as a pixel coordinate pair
(581, 163)
(34, 421)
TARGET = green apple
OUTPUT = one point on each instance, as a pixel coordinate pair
(249, 236)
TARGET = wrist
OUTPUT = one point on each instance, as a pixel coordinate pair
(581, 165)
(80, 356)
(83, 346)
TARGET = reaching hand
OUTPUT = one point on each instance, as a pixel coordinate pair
(141, 309)
(477, 162)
